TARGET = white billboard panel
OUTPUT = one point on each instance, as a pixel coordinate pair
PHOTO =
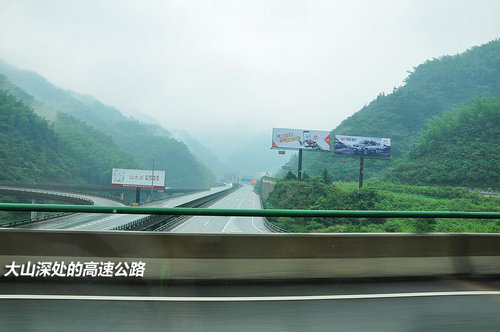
(301, 139)
(355, 146)
(141, 178)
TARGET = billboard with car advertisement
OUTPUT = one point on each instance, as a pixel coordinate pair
(355, 146)
(139, 178)
(301, 139)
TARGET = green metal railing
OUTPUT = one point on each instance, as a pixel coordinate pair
(246, 213)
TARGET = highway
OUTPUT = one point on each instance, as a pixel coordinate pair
(439, 305)
(444, 303)
(243, 198)
(98, 221)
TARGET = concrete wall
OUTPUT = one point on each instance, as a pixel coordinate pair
(267, 187)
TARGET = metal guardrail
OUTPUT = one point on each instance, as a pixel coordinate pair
(273, 227)
(86, 187)
(43, 195)
(161, 222)
(246, 212)
(269, 224)
(34, 220)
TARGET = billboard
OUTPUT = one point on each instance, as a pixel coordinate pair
(301, 139)
(139, 178)
(355, 146)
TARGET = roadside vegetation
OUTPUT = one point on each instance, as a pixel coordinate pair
(315, 194)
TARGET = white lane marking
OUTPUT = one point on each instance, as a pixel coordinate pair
(185, 222)
(233, 228)
(206, 223)
(240, 298)
(260, 230)
(182, 224)
(227, 224)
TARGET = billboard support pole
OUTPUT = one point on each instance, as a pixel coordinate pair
(361, 164)
(299, 171)
(152, 178)
(138, 195)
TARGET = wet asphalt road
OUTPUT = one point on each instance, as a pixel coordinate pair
(243, 198)
(118, 313)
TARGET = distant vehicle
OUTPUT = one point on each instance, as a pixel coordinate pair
(368, 147)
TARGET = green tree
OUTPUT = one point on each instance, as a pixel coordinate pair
(290, 176)
(457, 149)
(327, 178)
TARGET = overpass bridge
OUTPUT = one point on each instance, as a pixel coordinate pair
(99, 221)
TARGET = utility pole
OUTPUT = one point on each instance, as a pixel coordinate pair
(299, 173)
(361, 164)
(152, 178)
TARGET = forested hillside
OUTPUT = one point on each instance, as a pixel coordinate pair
(142, 141)
(29, 150)
(67, 151)
(94, 152)
(183, 169)
(433, 87)
(460, 148)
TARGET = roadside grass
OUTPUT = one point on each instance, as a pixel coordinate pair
(382, 196)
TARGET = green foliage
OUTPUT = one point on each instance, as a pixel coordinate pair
(68, 151)
(432, 88)
(182, 168)
(141, 140)
(29, 150)
(378, 195)
(290, 176)
(94, 152)
(460, 148)
(326, 177)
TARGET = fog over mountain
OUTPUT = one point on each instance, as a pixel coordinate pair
(249, 66)
(227, 72)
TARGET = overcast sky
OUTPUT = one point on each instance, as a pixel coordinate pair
(205, 65)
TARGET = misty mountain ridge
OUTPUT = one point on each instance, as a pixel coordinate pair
(64, 151)
(432, 88)
(144, 141)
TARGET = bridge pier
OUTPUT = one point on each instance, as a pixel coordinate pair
(36, 214)
(33, 213)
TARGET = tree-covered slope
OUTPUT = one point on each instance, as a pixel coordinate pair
(433, 87)
(141, 140)
(183, 170)
(40, 108)
(29, 150)
(94, 152)
(66, 151)
(460, 148)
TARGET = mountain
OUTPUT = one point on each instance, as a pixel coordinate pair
(433, 87)
(460, 148)
(29, 150)
(142, 140)
(201, 151)
(94, 152)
